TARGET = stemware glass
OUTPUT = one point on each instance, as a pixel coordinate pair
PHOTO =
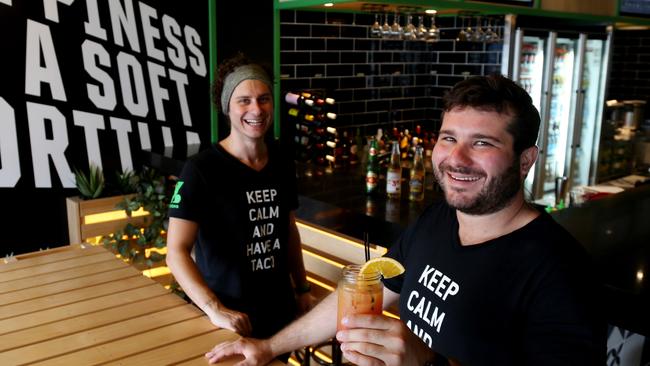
(410, 32)
(396, 30)
(434, 32)
(490, 35)
(479, 34)
(421, 30)
(375, 30)
(385, 28)
(465, 33)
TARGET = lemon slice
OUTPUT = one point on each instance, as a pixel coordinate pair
(388, 267)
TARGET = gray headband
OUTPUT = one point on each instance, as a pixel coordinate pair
(245, 72)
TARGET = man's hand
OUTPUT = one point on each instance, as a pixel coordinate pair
(226, 318)
(372, 340)
(256, 352)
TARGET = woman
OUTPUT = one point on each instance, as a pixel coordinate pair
(234, 204)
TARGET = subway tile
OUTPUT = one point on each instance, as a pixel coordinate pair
(379, 81)
(383, 117)
(352, 107)
(353, 82)
(476, 57)
(365, 118)
(413, 114)
(391, 69)
(294, 30)
(494, 47)
(423, 80)
(377, 105)
(415, 91)
(366, 44)
(452, 57)
(363, 70)
(326, 83)
(310, 44)
(394, 116)
(445, 22)
(442, 45)
(470, 46)
(449, 80)
(449, 34)
(287, 44)
(415, 45)
(310, 17)
(380, 57)
(467, 70)
(340, 18)
(403, 80)
(404, 103)
(440, 69)
(438, 91)
(386, 93)
(350, 31)
(287, 71)
(341, 95)
(294, 84)
(327, 57)
(364, 19)
(340, 44)
(423, 103)
(294, 57)
(287, 16)
(310, 71)
(353, 57)
(417, 68)
(344, 119)
(328, 31)
(339, 70)
(491, 69)
(393, 45)
(365, 94)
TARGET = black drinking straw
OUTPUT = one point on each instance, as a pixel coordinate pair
(366, 245)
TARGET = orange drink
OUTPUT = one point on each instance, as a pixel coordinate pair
(359, 293)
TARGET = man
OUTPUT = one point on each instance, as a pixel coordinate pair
(489, 279)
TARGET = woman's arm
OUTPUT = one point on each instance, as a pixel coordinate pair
(180, 240)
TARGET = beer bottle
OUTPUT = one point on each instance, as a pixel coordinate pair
(394, 173)
(416, 183)
(372, 169)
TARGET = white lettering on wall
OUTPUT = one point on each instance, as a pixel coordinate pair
(52, 10)
(123, 18)
(145, 140)
(128, 66)
(90, 122)
(122, 129)
(93, 26)
(181, 82)
(157, 92)
(103, 95)
(172, 30)
(39, 39)
(9, 158)
(193, 41)
(44, 149)
(150, 32)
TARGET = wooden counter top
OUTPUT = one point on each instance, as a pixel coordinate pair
(80, 305)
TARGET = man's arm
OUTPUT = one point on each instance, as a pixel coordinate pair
(180, 240)
(313, 328)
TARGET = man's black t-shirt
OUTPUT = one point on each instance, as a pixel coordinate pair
(243, 217)
(525, 298)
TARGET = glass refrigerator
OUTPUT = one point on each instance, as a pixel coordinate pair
(564, 73)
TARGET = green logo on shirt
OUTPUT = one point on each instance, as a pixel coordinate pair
(176, 198)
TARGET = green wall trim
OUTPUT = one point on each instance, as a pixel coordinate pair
(212, 39)
(535, 10)
(276, 71)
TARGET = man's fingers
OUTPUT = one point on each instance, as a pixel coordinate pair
(360, 359)
(368, 321)
(223, 350)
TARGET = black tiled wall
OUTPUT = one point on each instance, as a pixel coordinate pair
(377, 82)
(630, 75)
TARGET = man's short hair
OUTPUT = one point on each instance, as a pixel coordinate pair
(499, 94)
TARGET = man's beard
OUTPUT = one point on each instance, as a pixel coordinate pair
(492, 197)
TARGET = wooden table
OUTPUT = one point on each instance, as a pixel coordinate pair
(80, 305)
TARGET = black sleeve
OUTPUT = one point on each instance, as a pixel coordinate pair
(188, 194)
(399, 251)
